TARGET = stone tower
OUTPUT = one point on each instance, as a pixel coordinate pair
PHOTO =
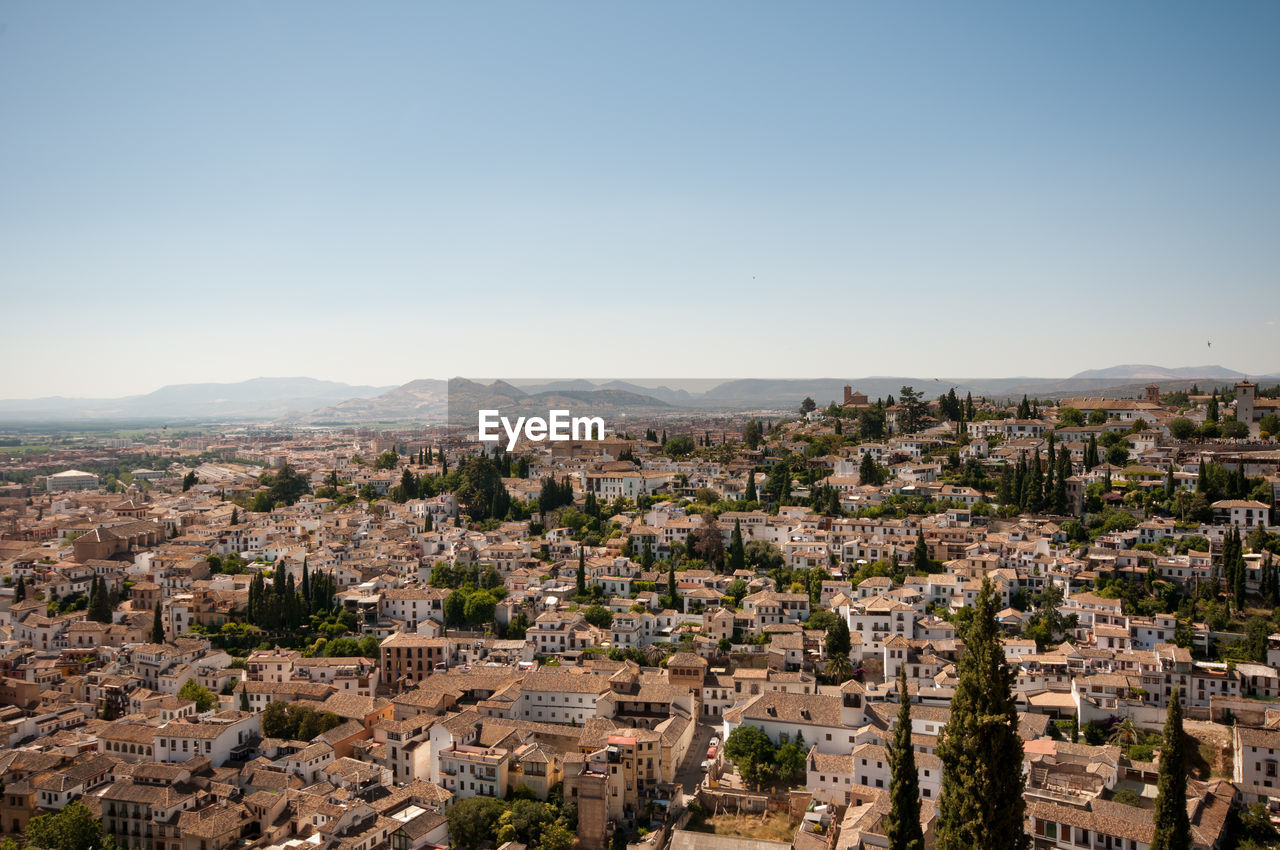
(1153, 393)
(1244, 402)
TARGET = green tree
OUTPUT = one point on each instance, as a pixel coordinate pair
(473, 821)
(1172, 827)
(582, 572)
(99, 603)
(556, 836)
(480, 607)
(598, 615)
(72, 828)
(751, 751)
(244, 700)
(836, 647)
(1070, 417)
(981, 804)
(737, 551)
(204, 698)
(20, 592)
(902, 826)
(1181, 428)
(920, 556)
(914, 409)
(157, 626)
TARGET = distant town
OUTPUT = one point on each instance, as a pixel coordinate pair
(894, 620)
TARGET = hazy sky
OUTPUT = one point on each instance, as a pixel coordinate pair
(375, 192)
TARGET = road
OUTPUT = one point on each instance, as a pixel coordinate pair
(689, 774)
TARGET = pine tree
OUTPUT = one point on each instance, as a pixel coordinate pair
(1172, 827)
(157, 626)
(902, 826)
(20, 592)
(981, 804)
(867, 470)
(737, 551)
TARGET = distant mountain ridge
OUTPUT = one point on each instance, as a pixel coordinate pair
(257, 398)
(426, 400)
(1131, 372)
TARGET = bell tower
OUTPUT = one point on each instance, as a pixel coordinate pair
(1244, 402)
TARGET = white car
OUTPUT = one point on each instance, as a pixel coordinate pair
(706, 765)
(715, 741)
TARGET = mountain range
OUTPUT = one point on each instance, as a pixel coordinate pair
(311, 401)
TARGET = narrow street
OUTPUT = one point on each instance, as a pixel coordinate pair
(689, 774)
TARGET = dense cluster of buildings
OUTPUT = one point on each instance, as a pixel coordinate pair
(618, 713)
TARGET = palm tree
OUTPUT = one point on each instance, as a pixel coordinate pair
(838, 669)
(1126, 734)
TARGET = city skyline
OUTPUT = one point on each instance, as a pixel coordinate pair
(215, 195)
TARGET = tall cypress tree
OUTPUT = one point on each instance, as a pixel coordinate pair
(903, 823)
(751, 486)
(99, 602)
(157, 627)
(582, 572)
(1173, 829)
(737, 551)
(20, 592)
(981, 804)
(920, 556)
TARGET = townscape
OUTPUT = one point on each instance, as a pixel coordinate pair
(850, 625)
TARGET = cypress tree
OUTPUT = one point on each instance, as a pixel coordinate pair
(99, 603)
(737, 551)
(1058, 499)
(157, 627)
(582, 572)
(673, 597)
(20, 592)
(920, 557)
(1172, 827)
(981, 804)
(306, 585)
(902, 826)
(1035, 489)
(1050, 468)
(751, 486)
(244, 700)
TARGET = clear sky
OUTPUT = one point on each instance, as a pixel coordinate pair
(376, 192)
